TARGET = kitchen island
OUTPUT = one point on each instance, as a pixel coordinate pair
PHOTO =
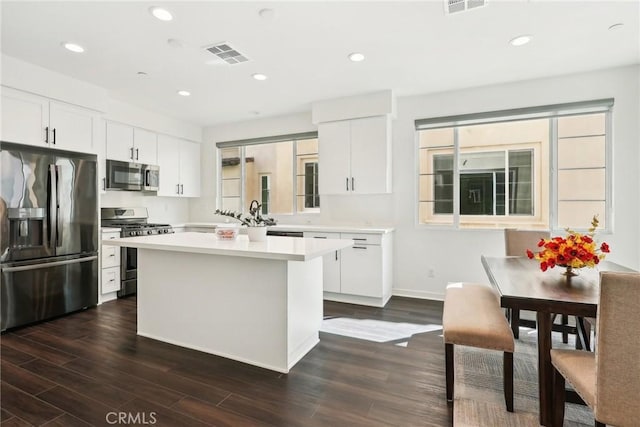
(255, 302)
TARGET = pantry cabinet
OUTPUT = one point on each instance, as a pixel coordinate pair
(39, 121)
(179, 162)
(130, 144)
(355, 156)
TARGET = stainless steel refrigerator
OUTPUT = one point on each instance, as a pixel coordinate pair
(48, 233)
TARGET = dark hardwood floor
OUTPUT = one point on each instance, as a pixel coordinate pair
(90, 368)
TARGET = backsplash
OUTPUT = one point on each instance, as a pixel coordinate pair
(171, 210)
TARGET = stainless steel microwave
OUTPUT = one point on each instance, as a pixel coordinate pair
(132, 176)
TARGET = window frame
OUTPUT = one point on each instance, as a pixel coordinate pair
(241, 144)
(551, 112)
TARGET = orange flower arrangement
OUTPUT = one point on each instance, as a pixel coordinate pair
(576, 250)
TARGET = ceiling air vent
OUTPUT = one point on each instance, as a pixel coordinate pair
(228, 54)
(454, 6)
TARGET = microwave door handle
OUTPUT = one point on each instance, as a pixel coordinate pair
(58, 216)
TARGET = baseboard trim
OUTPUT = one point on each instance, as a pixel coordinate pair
(412, 293)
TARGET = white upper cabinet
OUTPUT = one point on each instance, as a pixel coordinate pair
(145, 147)
(179, 162)
(355, 156)
(190, 169)
(119, 140)
(169, 163)
(129, 144)
(36, 120)
(72, 127)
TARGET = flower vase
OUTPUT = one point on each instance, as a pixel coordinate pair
(257, 234)
(570, 272)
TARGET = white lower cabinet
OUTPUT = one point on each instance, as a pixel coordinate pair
(109, 268)
(360, 274)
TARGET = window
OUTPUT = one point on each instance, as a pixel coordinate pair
(278, 171)
(538, 167)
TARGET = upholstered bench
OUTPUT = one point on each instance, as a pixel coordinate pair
(472, 316)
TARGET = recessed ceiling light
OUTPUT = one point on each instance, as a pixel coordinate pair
(184, 93)
(259, 76)
(616, 26)
(356, 57)
(73, 47)
(520, 40)
(267, 14)
(160, 13)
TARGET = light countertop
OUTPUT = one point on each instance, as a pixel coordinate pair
(276, 248)
(298, 227)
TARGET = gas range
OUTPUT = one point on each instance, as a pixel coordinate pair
(132, 222)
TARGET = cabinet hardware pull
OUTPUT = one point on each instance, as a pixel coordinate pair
(137, 153)
(353, 184)
(177, 188)
(360, 239)
(112, 280)
(131, 156)
(336, 255)
(319, 237)
(359, 247)
(46, 134)
(181, 189)
(112, 255)
(104, 184)
(54, 136)
(347, 179)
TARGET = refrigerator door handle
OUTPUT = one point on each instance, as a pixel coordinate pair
(58, 216)
(48, 264)
(53, 203)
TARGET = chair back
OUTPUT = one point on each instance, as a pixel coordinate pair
(618, 349)
(517, 242)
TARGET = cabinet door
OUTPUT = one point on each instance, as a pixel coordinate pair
(190, 169)
(24, 117)
(333, 153)
(71, 127)
(110, 279)
(371, 155)
(169, 163)
(119, 142)
(330, 263)
(145, 147)
(361, 270)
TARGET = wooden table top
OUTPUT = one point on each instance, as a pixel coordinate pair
(523, 285)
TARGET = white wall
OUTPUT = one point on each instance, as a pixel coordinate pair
(454, 254)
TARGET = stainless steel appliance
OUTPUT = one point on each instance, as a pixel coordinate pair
(132, 176)
(132, 222)
(48, 233)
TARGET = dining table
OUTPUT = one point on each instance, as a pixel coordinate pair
(522, 285)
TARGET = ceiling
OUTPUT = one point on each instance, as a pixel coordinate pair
(412, 47)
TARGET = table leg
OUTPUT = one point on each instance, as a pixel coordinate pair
(545, 370)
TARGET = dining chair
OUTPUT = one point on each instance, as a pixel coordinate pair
(608, 380)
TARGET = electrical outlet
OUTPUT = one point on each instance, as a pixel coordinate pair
(431, 272)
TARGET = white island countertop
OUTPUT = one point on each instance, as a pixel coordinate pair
(276, 248)
(299, 227)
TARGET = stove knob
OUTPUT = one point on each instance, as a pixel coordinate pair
(138, 233)
(149, 232)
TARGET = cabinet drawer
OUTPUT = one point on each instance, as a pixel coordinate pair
(362, 238)
(110, 279)
(110, 256)
(321, 235)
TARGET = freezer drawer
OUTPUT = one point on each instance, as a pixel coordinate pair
(34, 292)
